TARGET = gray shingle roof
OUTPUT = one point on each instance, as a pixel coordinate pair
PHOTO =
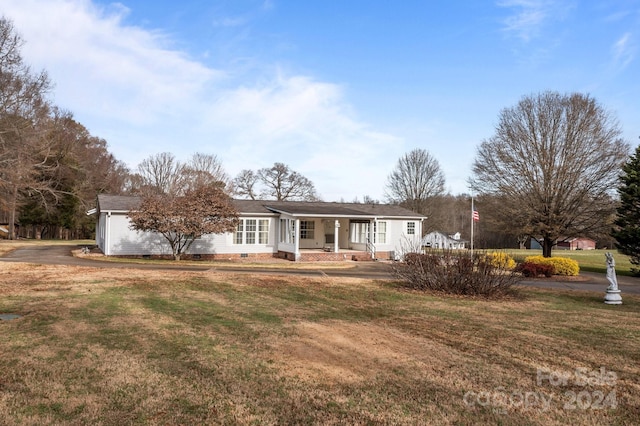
(117, 202)
(296, 208)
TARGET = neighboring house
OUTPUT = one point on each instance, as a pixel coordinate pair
(439, 240)
(579, 243)
(293, 230)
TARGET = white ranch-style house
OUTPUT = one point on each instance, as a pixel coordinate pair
(293, 230)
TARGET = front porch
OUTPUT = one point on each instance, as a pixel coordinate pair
(309, 238)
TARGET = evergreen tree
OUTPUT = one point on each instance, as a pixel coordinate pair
(627, 223)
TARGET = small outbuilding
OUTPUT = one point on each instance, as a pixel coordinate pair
(440, 240)
(577, 244)
(573, 243)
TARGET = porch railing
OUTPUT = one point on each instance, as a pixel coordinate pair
(371, 248)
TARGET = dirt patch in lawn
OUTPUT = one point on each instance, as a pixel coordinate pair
(338, 351)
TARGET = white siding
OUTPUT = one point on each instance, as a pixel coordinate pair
(101, 231)
(114, 237)
(124, 241)
(397, 239)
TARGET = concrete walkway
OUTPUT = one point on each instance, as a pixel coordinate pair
(61, 255)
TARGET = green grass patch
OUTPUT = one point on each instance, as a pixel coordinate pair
(589, 260)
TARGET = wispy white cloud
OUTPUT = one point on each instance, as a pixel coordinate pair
(526, 22)
(617, 16)
(530, 16)
(229, 22)
(268, 4)
(623, 51)
(132, 87)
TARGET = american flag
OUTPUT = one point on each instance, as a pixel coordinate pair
(476, 216)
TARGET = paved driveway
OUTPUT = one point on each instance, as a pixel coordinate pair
(61, 255)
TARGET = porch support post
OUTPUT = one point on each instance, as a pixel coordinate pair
(371, 230)
(336, 235)
(296, 240)
(107, 233)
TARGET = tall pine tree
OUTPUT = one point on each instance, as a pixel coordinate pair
(627, 224)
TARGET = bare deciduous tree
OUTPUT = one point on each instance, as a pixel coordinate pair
(161, 174)
(164, 174)
(416, 178)
(278, 182)
(553, 162)
(244, 185)
(181, 219)
(24, 116)
(282, 183)
(206, 169)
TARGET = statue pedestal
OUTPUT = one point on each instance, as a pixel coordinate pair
(613, 297)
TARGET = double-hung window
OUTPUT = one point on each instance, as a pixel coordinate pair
(239, 236)
(411, 228)
(380, 229)
(307, 229)
(252, 231)
(263, 231)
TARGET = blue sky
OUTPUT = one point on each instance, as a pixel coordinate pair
(336, 89)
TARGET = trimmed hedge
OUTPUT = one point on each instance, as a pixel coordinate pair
(561, 265)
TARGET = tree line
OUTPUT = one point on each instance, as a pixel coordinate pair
(51, 167)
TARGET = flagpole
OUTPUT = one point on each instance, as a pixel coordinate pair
(472, 210)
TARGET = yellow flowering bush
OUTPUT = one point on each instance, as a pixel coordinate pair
(501, 260)
(561, 265)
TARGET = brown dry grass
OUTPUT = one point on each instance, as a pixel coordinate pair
(119, 346)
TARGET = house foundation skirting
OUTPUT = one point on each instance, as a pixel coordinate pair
(311, 256)
(210, 256)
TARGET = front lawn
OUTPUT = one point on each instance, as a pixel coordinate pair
(113, 347)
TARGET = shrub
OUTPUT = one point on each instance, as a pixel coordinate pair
(561, 265)
(454, 272)
(532, 269)
(501, 260)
